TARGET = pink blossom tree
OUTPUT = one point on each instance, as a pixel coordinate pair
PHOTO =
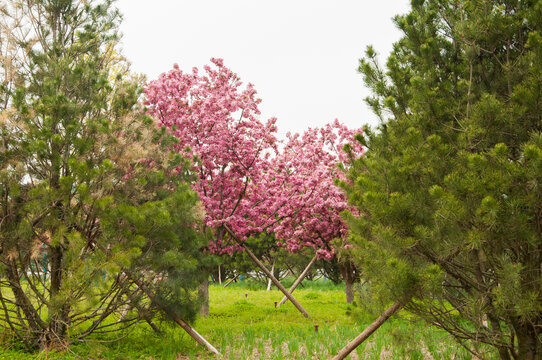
(245, 185)
(216, 122)
(307, 197)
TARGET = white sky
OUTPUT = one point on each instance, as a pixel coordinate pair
(301, 55)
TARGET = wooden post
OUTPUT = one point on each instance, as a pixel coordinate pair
(299, 280)
(269, 275)
(219, 276)
(231, 280)
(272, 272)
(293, 273)
(193, 333)
(371, 329)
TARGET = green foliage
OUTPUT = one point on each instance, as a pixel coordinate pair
(92, 199)
(449, 186)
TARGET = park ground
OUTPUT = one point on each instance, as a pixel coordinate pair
(244, 324)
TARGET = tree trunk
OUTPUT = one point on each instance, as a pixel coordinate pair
(264, 269)
(504, 351)
(527, 342)
(219, 276)
(272, 272)
(348, 273)
(298, 280)
(370, 329)
(203, 294)
(56, 331)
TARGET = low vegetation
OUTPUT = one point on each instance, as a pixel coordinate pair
(244, 324)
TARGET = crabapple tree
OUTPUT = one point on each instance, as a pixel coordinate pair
(308, 201)
(216, 123)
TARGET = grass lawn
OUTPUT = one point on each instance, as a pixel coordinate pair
(244, 324)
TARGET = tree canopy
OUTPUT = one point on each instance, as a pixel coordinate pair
(449, 188)
(92, 202)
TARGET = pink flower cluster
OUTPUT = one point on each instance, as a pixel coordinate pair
(243, 180)
(216, 122)
(309, 202)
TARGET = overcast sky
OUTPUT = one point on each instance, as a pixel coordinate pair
(301, 55)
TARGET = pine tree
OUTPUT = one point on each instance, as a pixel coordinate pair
(93, 206)
(449, 189)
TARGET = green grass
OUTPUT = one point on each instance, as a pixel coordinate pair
(244, 324)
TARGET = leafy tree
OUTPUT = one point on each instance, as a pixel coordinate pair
(92, 206)
(449, 189)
